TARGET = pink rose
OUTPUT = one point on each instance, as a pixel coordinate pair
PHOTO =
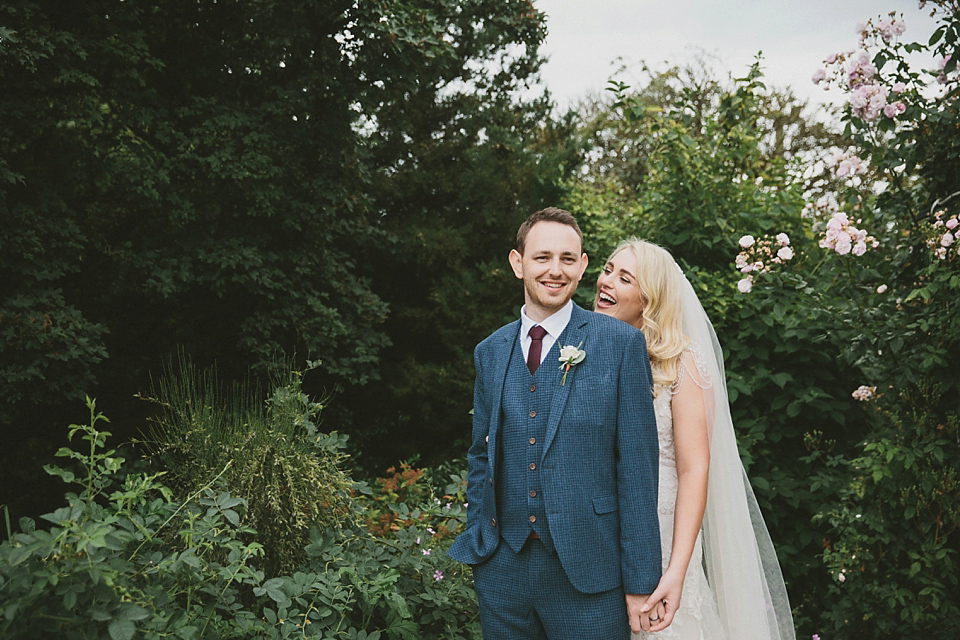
(783, 239)
(890, 111)
(831, 58)
(882, 288)
(952, 223)
(819, 76)
(745, 285)
(898, 87)
(946, 240)
(785, 253)
(747, 241)
(859, 249)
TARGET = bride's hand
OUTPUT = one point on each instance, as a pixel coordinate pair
(662, 604)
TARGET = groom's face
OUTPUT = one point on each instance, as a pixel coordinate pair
(551, 266)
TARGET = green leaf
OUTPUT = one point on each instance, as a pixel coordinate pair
(121, 629)
(189, 633)
(130, 611)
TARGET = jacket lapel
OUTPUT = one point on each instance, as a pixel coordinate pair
(574, 335)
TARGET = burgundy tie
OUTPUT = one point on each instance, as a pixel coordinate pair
(536, 346)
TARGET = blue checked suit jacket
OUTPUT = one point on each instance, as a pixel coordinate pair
(600, 457)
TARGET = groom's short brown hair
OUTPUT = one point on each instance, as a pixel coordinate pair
(550, 214)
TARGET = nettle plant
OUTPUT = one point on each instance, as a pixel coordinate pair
(120, 560)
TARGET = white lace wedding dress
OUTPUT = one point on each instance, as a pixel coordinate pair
(697, 617)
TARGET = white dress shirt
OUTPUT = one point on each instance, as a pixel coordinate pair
(554, 326)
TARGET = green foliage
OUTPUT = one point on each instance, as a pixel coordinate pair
(133, 563)
(47, 348)
(270, 454)
(139, 563)
(893, 546)
(242, 179)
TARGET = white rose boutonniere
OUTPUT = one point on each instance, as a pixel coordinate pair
(569, 356)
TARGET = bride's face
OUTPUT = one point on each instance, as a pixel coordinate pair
(618, 293)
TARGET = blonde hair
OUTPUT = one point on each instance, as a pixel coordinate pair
(659, 280)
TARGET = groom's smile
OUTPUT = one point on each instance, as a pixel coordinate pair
(551, 266)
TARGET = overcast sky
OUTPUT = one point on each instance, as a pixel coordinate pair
(587, 36)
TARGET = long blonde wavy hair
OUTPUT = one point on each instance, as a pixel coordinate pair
(659, 281)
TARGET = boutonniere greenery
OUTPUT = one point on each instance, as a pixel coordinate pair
(569, 356)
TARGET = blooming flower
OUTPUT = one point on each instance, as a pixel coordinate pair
(844, 238)
(819, 76)
(952, 223)
(898, 87)
(946, 240)
(868, 100)
(785, 253)
(864, 393)
(569, 356)
(783, 239)
(438, 575)
(425, 552)
(746, 241)
(882, 288)
(815, 636)
(745, 285)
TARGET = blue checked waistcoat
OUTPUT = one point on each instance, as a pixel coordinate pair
(596, 456)
(519, 490)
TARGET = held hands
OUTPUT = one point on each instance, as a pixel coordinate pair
(657, 611)
(645, 614)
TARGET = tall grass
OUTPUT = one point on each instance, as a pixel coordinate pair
(287, 470)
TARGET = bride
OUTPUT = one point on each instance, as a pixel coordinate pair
(716, 550)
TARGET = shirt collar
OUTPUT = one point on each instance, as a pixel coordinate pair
(554, 324)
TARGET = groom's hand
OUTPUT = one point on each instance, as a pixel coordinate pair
(639, 621)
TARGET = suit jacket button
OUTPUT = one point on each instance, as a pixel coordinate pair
(533, 414)
(533, 493)
(533, 441)
(533, 518)
(486, 438)
(493, 521)
(533, 466)
(533, 388)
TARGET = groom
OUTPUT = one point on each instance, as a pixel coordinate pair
(562, 528)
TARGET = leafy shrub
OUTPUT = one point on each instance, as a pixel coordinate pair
(125, 557)
(271, 454)
(139, 562)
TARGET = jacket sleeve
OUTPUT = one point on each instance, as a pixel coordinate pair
(477, 459)
(637, 471)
